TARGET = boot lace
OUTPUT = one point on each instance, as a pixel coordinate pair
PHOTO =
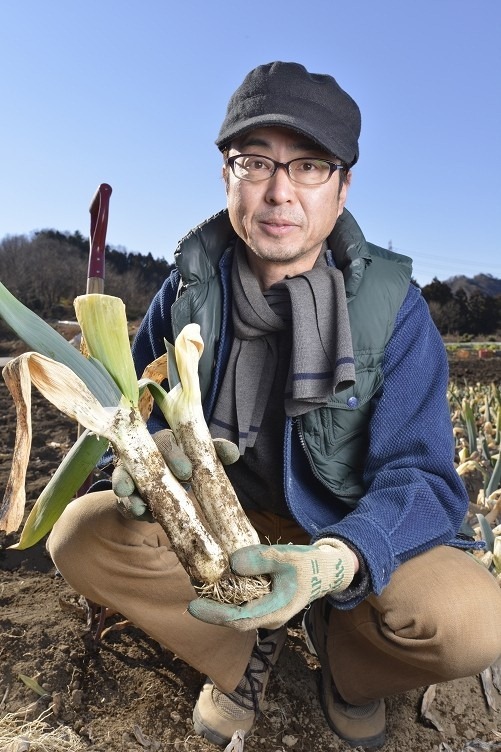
(250, 689)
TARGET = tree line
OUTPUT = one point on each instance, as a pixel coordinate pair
(48, 269)
(463, 315)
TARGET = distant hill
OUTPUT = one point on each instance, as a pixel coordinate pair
(480, 283)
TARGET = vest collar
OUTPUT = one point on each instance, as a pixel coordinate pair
(199, 252)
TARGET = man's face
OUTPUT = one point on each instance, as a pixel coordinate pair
(282, 222)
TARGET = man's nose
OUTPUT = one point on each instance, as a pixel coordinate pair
(279, 188)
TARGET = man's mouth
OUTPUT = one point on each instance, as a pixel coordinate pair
(277, 226)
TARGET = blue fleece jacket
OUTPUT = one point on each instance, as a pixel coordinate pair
(414, 498)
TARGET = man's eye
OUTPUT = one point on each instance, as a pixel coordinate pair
(310, 166)
(255, 165)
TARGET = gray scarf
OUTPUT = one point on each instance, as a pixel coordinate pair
(322, 354)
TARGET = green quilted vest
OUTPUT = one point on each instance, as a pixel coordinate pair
(376, 282)
(336, 435)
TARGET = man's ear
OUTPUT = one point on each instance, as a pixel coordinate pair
(226, 176)
(343, 194)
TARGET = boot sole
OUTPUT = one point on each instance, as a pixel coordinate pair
(208, 733)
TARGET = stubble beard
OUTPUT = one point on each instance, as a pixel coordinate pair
(278, 256)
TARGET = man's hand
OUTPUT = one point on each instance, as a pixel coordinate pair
(130, 504)
(299, 575)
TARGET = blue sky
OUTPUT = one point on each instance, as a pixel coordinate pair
(133, 94)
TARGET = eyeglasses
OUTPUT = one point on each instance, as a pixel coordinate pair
(254, 167)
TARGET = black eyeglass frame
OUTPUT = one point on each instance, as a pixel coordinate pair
(333, 166)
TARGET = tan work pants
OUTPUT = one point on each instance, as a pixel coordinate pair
(438, 619)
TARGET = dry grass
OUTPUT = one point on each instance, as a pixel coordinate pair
(20, 735)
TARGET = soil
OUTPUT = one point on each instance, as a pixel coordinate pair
(127, 693)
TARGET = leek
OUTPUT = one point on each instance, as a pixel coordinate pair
(182, 408)
(117, 414)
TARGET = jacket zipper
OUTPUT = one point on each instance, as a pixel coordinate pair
(296, 422)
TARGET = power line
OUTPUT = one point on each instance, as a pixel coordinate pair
(477, 264)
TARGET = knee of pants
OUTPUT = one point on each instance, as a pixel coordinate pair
(91, 538)
(84, 529)
(457, 634)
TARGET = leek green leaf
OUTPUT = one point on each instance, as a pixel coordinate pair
(103, 321)
(32, 684)
(42, 338)
(172, 372)
(62, 488)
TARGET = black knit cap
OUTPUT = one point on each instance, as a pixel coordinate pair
(286, 94)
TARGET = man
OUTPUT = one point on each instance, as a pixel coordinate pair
(322, 364)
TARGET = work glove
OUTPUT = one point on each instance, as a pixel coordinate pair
(129, 502)
(299, 575)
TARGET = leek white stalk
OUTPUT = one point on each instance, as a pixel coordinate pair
(196, 548)
(182, 407)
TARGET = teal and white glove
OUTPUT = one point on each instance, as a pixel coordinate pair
(129, 502)
(299, 575)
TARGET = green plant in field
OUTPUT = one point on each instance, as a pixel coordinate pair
(476, 419)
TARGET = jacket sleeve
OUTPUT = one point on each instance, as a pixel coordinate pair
(414, 496)
(149, 341)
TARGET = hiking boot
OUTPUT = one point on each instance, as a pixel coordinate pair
(358, 725)
(217, 715)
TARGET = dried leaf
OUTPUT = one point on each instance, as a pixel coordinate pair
(157, 372)
(496, 554)
(426, 704)
(62, 388)
(496, 674)
(477, 745)
(17, 379)
(493, 515)
(488, 687)
(116, 627)
(143, 740)
(236, 743)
